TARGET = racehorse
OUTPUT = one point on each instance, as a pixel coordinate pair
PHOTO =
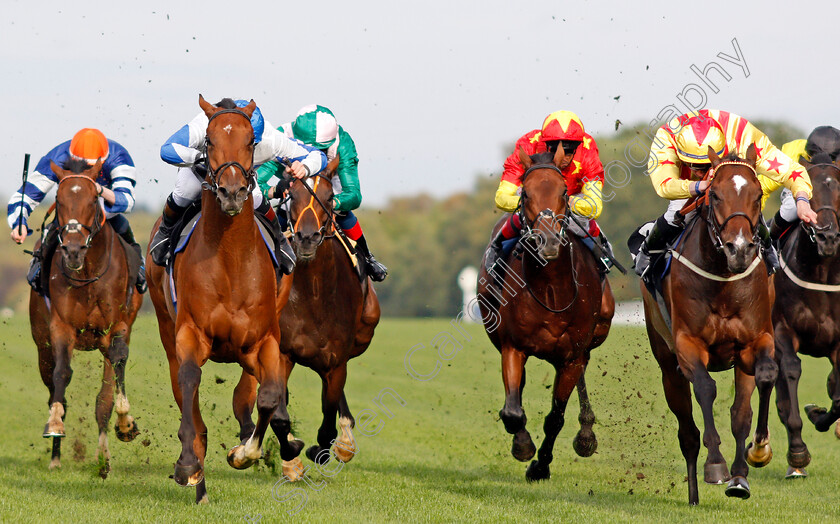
(719, 302)
(806, 316)
(329, 319)
(227, 300)
(563, 312)
(92, 305)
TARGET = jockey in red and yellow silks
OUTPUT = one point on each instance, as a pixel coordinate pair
(582, 171)
(679, 158)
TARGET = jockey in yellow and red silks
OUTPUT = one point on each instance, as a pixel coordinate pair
(679, 159)
(581, 169)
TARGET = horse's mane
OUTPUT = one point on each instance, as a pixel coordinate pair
(76, 165)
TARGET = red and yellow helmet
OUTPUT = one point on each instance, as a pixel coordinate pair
(694, 138)
(562, 125)
(89, 145)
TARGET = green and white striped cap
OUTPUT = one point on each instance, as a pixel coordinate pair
(315, 126)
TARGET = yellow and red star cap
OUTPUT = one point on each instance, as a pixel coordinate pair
(562, 125)
(695, 137)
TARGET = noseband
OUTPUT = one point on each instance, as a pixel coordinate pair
(73, 225)
(250, 175)
(547, 214)
(716, 229)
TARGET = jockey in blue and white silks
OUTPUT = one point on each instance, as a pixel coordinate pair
(115, 182)
(186, 147)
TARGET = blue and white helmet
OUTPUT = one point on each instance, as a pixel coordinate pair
(257, 121)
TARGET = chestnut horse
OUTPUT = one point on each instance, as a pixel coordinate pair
(718, 299)
(806, 316)
(227, 301)
(92, 305)
(329, 319)
(563, 313)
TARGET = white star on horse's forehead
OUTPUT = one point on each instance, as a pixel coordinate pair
(740, 182)
(227, 128)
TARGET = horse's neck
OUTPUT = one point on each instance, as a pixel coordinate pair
(541, 273)
(698, 246)
(220, 229)
(801, 254)
(99, 253)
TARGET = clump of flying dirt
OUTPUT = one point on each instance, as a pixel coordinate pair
(79, 450)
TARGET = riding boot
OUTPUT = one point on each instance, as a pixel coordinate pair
(771, 257)
(494, 251)
(604, 255)
(33, 276)
(374, 268)
(778, 226)
(283, 250)
(140, 283)
(658, 238)
(172, 212)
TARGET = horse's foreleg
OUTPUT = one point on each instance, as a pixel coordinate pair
(345, 446)
(766, 373)
(188, 470)
(63, 339)
(244, 397)
(823, 418)
(125, 428)
(512, 414)
(332, 388)
(741, 419)
(104, 405)
(787, 402)
(565, 381)
(46, 365)
(268, 371)
(585, 442)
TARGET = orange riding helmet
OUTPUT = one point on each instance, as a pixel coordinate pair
(90, 145)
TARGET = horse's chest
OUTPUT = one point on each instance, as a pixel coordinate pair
(818, 325)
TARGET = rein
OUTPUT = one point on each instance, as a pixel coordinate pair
(213, 174)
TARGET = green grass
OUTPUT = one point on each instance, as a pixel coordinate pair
(443, 456)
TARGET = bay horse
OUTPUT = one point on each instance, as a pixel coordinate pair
(563, 312)
(719, 301)
(330, 317)
(92, 305)
(227, 300)
(806, 316)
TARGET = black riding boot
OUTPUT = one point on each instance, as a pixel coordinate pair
(128, 235)
(33, 276)
(285, 254)
(494, 251)
(375, 269)
(172, 212)
(771, 258)
(658, 238)
(778, 226)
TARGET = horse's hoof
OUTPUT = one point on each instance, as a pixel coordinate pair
(715, 473)
(523, 448)
(293, 469)
(738, 487)
(536, 472)
(237, 459)
(188, 475)
(129, 434)
(346, 453)
(104, 469)
(318, 455)
(814, 413)
(759, 455)
(796, 473)
(799, 459)
(837, 429)
(56, 432)
(203, 500)
(585, 444)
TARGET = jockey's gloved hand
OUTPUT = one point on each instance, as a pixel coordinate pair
(200, 169)
(282, 186)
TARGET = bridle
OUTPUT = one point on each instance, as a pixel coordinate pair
(529, 233)
(250, 175)
(812, 230)
(715, 228)
(323, 229)
(74, 226)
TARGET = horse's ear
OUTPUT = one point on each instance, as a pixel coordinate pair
(559, 155)
(713, 157)
(94, 170)
(208, 108)
(524, 159)
(60, 173)
(333, 165)
(751, 154)
(249, 109)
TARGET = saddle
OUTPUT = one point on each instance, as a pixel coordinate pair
(660, 265)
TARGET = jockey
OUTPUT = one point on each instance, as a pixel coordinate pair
(679, 159)
(316, 126)
(115, 184)
(582, 171)
(186, 149)
(823, 139)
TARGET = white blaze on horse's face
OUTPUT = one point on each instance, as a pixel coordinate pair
(740, 240)
(76, 189)
(739, 182)
(227, 128)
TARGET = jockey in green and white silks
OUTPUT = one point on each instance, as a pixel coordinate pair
(317, 127)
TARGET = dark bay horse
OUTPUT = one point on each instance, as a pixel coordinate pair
(549, 303)
(719, 301)
(92, 305)
(806, 316)
(329, 319)
(227, 301)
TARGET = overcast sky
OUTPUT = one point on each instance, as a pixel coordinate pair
(432, 92)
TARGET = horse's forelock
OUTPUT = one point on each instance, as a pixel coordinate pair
(821, 158)
(226, 103)
(76, 165)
